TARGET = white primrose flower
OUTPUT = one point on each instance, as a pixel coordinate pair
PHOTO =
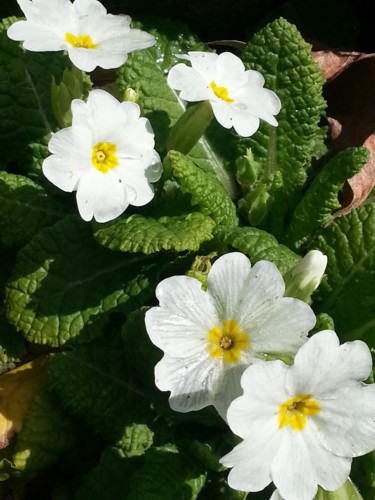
(107, 156)
(83, 28)
(237, 96)
(210, 337)
(302, 424)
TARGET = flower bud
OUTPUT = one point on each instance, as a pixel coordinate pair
(301, 281)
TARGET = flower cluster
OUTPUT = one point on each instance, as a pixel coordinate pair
(240, 341)
(302, 424)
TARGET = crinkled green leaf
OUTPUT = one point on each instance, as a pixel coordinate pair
(280, 53)
(140, 234)
(260, 245)
(46, 435)
(145, 71)
(205, 189)
(26, 114)
(12, 345)
(64, 284)
(321, 199)
(25, 209)
(167, 473)
(93, 383)
(347, 292)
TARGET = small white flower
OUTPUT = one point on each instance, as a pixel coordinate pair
(107, 156)
(210, 337)
(83, 28)
(237, 96)
(302, 424)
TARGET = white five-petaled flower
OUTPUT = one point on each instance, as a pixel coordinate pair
(302, 424)
(237, 96)
(210, 337)
(83, 28)
(107, 156)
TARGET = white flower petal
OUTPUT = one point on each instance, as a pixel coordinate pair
(36, 38)
(204, 63)
(223, 112)
(243, 123)
(259, 102)
(280, 326)
(251, 460)
(89, 59)
(324, 368)
(185, 315)
(254, 78)
(191, 83)
(263, 386)
(136, 40)
(89, 7)
(137, 181)
(100, 197)
(190, 381)
(230, 72)
(229, 387)
(65, 175)
(301, 463)
(264, 284)
(226, 282)
(347, 427)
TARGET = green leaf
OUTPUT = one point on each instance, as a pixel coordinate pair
(167, 473)
(145, 72)
(110, 479)
(279, 52)
(140, 234)
(347, 291)
(46, 435)
(260, 245)
(321, 199)
(363, 474)
(93, 383)
(205, 189)
(26, 115)
(64, 284)
(25, 209)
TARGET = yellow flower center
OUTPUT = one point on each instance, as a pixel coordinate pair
(227, 341)
(80, 42)
(221, 92)
(294, 411)
(104, 156)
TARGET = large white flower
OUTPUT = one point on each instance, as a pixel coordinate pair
(302, 424)
(210, 337)
(107, 156)
(82, 28)
(237, 96)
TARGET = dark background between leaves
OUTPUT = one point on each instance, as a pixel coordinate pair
(345, 24)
